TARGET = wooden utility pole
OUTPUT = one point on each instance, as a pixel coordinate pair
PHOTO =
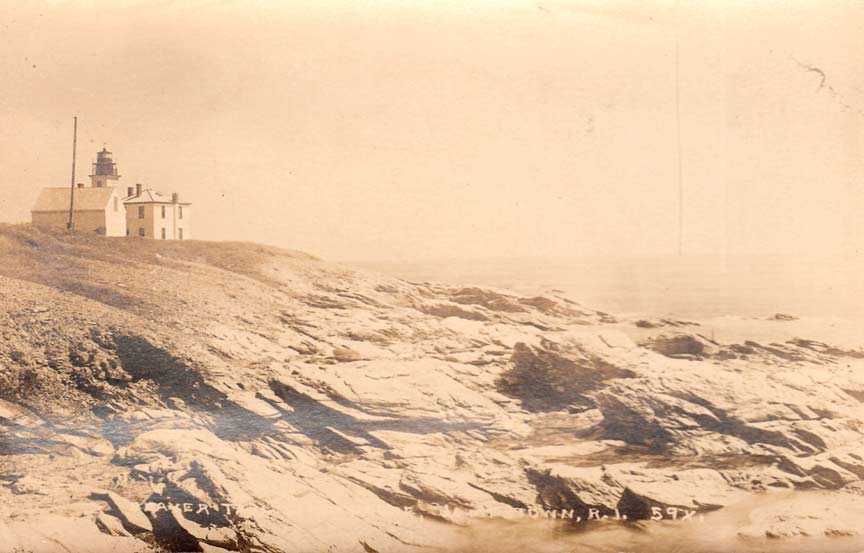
(70, 225)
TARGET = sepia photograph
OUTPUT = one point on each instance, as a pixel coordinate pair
(432, 276)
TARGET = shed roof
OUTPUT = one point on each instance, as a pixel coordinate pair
(86, 199)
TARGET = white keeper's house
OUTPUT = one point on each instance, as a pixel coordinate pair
(104, 208)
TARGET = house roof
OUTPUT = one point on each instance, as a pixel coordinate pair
(86, 199)
(150, 196)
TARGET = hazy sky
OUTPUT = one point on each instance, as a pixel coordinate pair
(385, 129)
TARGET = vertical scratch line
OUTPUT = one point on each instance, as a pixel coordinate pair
(678, 146)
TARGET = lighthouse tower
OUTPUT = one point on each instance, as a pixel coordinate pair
(104, 170)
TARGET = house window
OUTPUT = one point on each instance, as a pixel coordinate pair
(141, 213)
(180, 233)
(163, 211)
(179, 211)
(163, 231)
(98, 184)
(141, 231)
(116, 204)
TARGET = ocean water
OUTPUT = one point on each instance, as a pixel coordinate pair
(687, 286)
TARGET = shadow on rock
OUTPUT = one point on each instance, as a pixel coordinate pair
(559, 494)
(317, 421)
(174, 378)
(331, 428)
(545, 380)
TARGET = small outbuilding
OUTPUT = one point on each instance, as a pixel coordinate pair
(98, 210)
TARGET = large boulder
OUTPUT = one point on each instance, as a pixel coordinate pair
(129, 512)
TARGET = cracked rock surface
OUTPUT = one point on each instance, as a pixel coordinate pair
(196, 396)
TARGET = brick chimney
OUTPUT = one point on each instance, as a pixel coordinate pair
(137, 188)
(175, 197)
(129, 191)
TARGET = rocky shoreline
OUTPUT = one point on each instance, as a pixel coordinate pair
(232, 397)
